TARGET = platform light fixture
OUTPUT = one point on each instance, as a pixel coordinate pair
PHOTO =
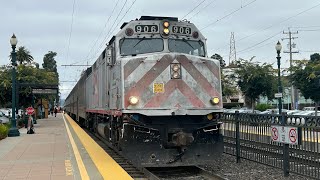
(13, 131)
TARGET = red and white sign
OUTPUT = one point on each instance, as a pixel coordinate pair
(274, 134)
(293, 136)
(284, 134)
(30, 110)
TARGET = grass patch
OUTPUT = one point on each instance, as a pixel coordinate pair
(4, 129)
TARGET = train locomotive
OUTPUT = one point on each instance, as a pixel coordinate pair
(154, 94)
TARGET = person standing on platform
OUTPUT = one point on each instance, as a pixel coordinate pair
(30, 129)
(55, 111)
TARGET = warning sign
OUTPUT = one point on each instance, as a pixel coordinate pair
(284, 134)
(293, 136)
(274, 134)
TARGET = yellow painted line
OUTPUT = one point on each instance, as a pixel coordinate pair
(314, 140)
(83, 172)
(108, 168)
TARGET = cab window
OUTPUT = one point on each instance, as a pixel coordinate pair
(134, 46)
(187, 46)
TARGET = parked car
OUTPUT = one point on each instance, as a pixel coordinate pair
(6, 112)
(3, 119)
(291, 112)
(310, 108)
(305, 113)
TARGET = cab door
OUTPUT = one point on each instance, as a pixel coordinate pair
(114, 81)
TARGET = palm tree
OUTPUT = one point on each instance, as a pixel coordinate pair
(23, 55)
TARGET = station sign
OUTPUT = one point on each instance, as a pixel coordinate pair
(284, 134)
(44, 91)
(278, 95)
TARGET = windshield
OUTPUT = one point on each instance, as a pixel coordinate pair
(187, 46)
(140, 46)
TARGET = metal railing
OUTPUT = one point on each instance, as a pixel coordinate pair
(248, 136)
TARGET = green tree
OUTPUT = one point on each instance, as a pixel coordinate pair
(49, 63)
(306, 77)
(228, 87)
(255, 80)
(5, 86)
(220, 58)
(25, 74)
(23, 56)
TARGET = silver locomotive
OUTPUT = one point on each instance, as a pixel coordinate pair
(154, 94)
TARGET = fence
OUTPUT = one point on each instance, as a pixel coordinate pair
(248, 136)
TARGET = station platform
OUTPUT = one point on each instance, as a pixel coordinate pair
(59, 150)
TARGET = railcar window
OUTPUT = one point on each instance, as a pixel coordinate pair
(140, 46)
(187, 47)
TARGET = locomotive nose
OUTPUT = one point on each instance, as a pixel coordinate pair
(182, 139)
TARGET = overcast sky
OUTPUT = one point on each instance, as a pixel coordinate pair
(43, 26)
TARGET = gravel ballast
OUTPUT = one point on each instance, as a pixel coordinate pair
(247, 170)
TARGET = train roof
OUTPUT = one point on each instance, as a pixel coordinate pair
(158, 18)
(152, 18)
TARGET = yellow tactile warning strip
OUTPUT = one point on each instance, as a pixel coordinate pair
(83, 172)
(107, 167)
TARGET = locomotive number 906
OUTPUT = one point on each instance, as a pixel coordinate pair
(146, 28)
(181, 30)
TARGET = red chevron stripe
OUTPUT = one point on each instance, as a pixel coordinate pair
(148, 78)
(193, 71)
(131, 66)
(158, 99)
(214, 69)
(190, 94)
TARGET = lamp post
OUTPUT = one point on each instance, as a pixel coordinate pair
(278, 48)
(13, 130)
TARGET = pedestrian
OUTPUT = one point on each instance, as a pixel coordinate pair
(55, 112)
(30, 129)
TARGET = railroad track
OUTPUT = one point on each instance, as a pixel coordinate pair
(183, 173)
(154, 173)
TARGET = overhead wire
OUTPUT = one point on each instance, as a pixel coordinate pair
(121, 20)
(106, 37)
(268, 27)
(260, 42)
(225, 16)
(71, 29)
(112, 31)
(193, 9)
(201, 10)
(309, 30)
(105, 25)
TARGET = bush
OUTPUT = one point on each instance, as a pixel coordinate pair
(263, 107)
(4, 129)
(20, 123)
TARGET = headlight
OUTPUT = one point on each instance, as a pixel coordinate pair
(175, 71)
(175, 67)
(176, 75)
(166, 24)
(166, 31)
(133, 100)
(214, 100)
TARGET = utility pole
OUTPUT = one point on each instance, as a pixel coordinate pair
(294, 92)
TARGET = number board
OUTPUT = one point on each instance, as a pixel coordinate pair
(181, 30)
(158, 87)
(146, 28)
